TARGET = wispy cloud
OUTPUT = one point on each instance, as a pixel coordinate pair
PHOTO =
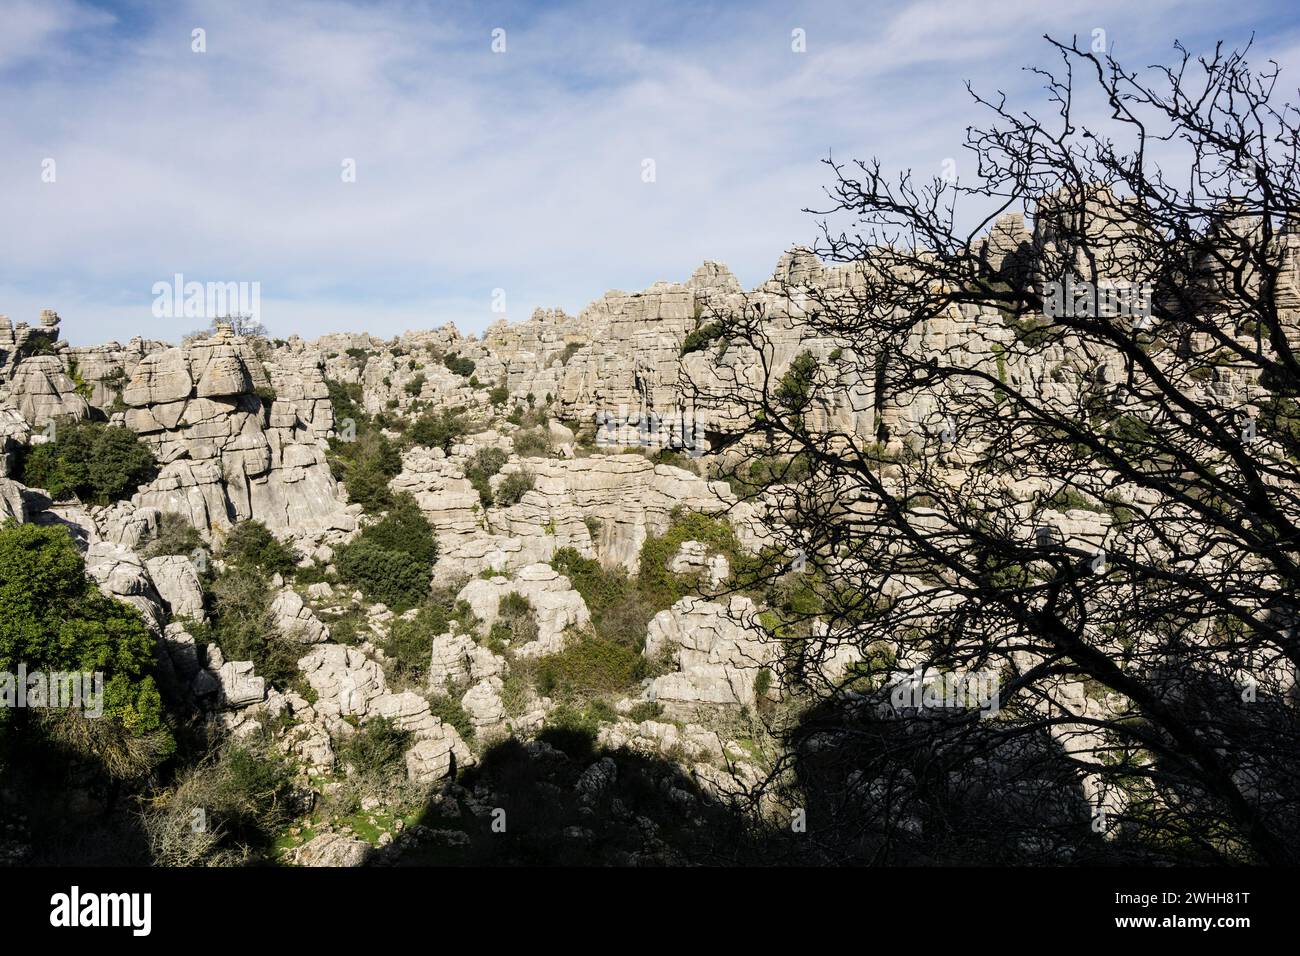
(475, 170)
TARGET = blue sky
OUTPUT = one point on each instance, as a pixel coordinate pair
(476, 170)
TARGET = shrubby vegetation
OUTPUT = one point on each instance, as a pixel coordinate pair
(661, 588)
(618, 612)
(376, 749)
(701, 337)
(532, 442)
(238, 602)
(516, 623)
(438, 429)
(244, 796)
(175, 535)
(409, 640)
(95, 462)
(371, 460)
(481, 468)
(459, 365)
(514, 486)
(449, 710)
(588, 667)
(53, 618)
(391, 561)
(251, 546)
(366, 466)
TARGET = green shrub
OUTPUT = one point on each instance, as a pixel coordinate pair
(438, 429)
(409, 641)
(250, 545)
(405, 528)
(377, 748)
(366, 466)
(384, 576)
(645, 710)
(346, 399)
(175, 535)
(243, 798)
(239, 602)
(573, 730)
(391, 561)
(513, 487)
(459, 365)
(252, 792)
(700, 338)
(588, 667)
(794, 391)
(415, 385)
(661, 588)
(499, 395)
(449, 711)
(481, 468)
(618, 612)
(516, 623)
(532, 443)
(97, 463)
(53, 618)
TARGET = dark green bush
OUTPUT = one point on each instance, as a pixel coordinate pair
(389, 577)
(587, 667)
(377, 748)
(513, 487)
(481, 468)
(459, 365)
(516, 622)
(573, 730)
(659, 587)
(794, 391)
(53, 618)
(250, 545)
(391, 561)
(617, 611)
(437, 429)
(449, 711)
(175, 535)
(251, 793)
(700, 338)
(97, 463)
(366, 466)
(239, 603)
(532, 443)
(409, 641)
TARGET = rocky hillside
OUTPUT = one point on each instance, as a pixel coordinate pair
(437, 588)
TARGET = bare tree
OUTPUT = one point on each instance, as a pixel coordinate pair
(1062, 458)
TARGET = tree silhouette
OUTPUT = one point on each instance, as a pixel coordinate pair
(1064, 458)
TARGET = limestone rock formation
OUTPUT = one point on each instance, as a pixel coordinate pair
(557, 607)
(230, 447)
(349, 684)
(295, 620)
(177, 581)
(717, 652)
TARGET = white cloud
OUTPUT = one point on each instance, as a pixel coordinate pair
(475, 170)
